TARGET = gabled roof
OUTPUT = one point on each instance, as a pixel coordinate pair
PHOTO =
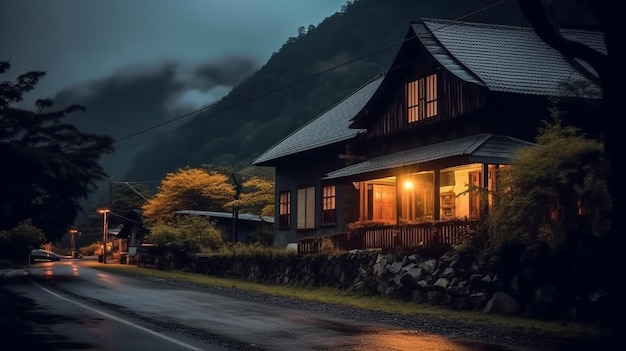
(328, 128)
(504, 58)
(479, 148)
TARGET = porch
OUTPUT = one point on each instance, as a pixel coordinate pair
(393, 237)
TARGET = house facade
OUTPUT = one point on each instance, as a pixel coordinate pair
(129, 235)
(415, 146)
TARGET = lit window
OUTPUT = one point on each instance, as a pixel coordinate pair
(284, 214)
(329, 211)
(306, 208)
(421, 97)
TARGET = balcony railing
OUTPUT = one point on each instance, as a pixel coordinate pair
(392, 237)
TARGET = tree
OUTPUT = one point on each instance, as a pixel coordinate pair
(611, 77)
(188, 188)
(257, 197)
(50, 165)
(301, 32)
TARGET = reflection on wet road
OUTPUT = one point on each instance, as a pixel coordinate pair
(118, 313)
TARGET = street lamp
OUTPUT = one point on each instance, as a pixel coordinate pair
(105, 229)
(73, 233)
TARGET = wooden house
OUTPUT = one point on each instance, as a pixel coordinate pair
(396, 160)
(130, 235)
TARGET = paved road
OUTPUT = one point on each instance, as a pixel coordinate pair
(62, 322)
(91, 310)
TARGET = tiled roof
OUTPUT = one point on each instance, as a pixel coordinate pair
(328, 128)
(216, 214)
(504, 58)
(480, 148)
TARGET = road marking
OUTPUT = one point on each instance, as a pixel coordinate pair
(170, 339)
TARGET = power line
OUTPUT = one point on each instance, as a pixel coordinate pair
(258, 97)
(481, 10)
(133, 189)
(288, 85)
(165, 123)
(125, 218)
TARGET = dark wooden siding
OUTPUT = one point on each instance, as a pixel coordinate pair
(455, 98)
(305, 170)
(458, 97)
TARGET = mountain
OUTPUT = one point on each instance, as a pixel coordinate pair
(307, 75)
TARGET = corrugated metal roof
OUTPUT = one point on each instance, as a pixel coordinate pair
(479, 148)
(242, 216)
(504, 58)
(328, 128)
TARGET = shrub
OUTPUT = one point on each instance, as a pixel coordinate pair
(200, 231)
(242, 249)
(163, 234)
(189, 233)
(553, 192)
(328, 247)
(354, 226)
(90, 250)
(17, 243)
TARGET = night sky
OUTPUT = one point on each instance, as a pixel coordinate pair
(135, 64)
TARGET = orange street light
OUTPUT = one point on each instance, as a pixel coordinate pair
(105, 229)
(73, 233)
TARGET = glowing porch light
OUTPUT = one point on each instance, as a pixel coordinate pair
(408, 184)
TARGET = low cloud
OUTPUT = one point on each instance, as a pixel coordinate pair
(136, 98)
(205, 84)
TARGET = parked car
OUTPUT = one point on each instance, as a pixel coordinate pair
(39, 255)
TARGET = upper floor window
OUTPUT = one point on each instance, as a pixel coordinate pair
(421, 97)
(284, 212)
(329, 211)
(306, 208)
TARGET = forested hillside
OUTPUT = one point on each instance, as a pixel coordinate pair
(321, 64)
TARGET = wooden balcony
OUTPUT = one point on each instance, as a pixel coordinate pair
(393, 237)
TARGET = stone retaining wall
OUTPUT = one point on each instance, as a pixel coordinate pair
(449, 281)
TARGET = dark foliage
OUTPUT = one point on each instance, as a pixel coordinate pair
(49, 165)
(546, 21)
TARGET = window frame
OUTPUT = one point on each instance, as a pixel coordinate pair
(329, 206)
(305, 209)
(284, 210)
(422, 98)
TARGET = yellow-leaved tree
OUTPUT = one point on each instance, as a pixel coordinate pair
(257, 197)
(208, 190)
(188, 189)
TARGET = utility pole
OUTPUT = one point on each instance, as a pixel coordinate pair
(238, 189)
(73, 233)
(105, 233)
(110, 193)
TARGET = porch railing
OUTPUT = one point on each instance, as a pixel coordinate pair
(393, 237)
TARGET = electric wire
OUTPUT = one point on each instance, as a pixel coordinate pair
(286, 86)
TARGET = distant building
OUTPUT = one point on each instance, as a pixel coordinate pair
(246, 228)
(131, 234)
